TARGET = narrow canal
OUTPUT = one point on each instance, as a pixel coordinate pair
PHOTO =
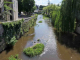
(53, 49)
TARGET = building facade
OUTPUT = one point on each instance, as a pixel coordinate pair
(15, 8)
(1, 8)
(14, 12)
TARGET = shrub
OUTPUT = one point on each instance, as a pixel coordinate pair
(34, 51)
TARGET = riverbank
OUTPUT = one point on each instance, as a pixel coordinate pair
(11, 31)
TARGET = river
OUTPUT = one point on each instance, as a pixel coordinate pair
(45, 32)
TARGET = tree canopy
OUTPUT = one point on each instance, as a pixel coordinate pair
(64, 16)
(41, 7)
(26, 5)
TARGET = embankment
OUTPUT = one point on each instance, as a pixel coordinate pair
(10, 32)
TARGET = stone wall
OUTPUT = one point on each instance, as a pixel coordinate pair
(78, 28)
(2, 42)
(1, 30)
(26, 25)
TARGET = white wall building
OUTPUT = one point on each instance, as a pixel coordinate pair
(15, 8)
(1, 8)
(14, 12)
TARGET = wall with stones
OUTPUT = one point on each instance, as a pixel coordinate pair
(6, 30)
(2, 42)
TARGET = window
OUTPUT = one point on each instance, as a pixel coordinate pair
(0, 0)
(0, 10)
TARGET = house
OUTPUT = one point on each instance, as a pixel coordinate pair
(14, 12)
(1, 8)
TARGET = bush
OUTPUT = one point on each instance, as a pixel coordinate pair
(12, 41)
(34, 51)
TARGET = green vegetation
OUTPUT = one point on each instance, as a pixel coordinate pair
(45, 17)
(7, 9)
(64, 16)
(14, 30)
(35, 50)
(68, 17)
(40, 22)
(26, 6)
(14, 57)
(41, 7)
(12, 41)
(53, 11)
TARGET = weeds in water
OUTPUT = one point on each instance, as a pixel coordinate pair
(14, 57)
(34, 51)
(40, 22)
(38, 39)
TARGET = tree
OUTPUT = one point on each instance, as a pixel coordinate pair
(68, 18)
(20, 6)
(41, 7)
(28, 5)
(34, 8)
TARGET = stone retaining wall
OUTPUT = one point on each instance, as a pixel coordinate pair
(26, 22)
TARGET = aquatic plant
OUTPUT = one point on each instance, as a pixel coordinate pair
(35, 50)
(40, 22)
(14, 57)
(38, 39)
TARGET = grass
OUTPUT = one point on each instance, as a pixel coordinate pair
(40, 22)
(14, 57)
(35, 50)
(44, 17)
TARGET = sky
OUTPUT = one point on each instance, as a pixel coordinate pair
(45, 2)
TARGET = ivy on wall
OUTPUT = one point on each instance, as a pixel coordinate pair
(14, 30)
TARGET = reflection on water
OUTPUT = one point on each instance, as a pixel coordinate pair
(70, 40)
(67, 53)
(54, 50)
